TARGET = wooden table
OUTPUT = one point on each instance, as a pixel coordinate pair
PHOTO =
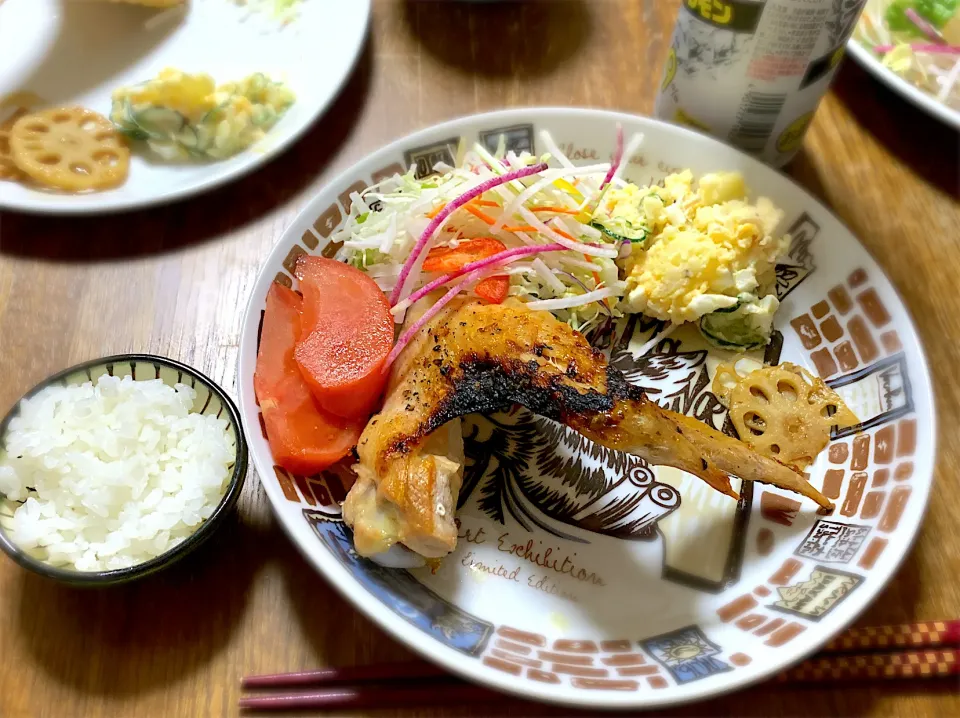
(174, 280)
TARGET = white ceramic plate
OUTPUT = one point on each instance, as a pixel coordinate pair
(78, 52)
(910, 93)
(692, 594)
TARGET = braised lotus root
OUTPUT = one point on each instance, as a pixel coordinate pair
(783, 412)
(70, 148)
(8, 169)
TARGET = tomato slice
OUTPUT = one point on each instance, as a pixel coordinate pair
(303, 438)
(347, 333)
(493, 289)
(450, 259)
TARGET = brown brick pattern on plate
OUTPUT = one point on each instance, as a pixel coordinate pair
(770, 627)
(840, 299)
(906, 437)
(785, 634)
(904, 471)
(762, 591)
(565, 658)
(624, 659)
(387, 172)
(857, 278)
(285, 279)
(787, 571)
(846, 357)
(872, 553)
(604, 685)
(863, 339)
(328, 221)
(542, 676)
(344, 196)
(832, 481)
(580, 671)
(824, 363)
(895, 507)
(838, 452)
(638, 671)
(778, 509)
(518, 636)
(873, 308)
(764, 541)
(286, 485)
(831, 329)
(820, 310)
(521, 660)
(883, 442)
(514, 669)
(657, 682)
(740, 659)
(858, 481)
(891, 342)
(562, 644)
(615, 646)
(880, 478)
(861, 452)
(872, 505)
(737, 606)
(514, 647)
(290, 263)
(807, 331)
(750, 621)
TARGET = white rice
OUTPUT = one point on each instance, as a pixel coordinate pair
(111, 475)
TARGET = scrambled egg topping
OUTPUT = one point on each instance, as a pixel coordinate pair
(706, 248)
(182, 115)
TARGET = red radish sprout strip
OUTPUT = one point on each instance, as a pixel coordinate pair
(430, 314)
(450, 209)
(504, 257)
(923, 47)
(617, 157)
(925, 27)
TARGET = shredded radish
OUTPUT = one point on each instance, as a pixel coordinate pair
(451, 207)
(550, 176)
(568, 302)
(617, 157)
(500, 258)
(549, 278)
(592, 249)
(925, 27)
(654, 340)
(949, 81)
(923, 47)
(430, 314)
(554, 151)
(632, 146)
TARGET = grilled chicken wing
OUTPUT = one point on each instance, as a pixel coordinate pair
(481, 358)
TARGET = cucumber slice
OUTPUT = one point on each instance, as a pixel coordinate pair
(120, 116)
(159, 122)
(188, 137)
(741, 327)
(620, 230)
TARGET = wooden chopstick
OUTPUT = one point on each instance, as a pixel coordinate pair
(454, 692)
(376, 673)
(933, 652)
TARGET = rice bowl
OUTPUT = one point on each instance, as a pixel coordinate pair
(112, 469)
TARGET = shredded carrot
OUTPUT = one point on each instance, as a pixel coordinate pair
(479, 214)
(528, 228)
(476, 203)
(556, 210)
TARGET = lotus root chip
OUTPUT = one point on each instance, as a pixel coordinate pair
(783, 412)
(8, 169)
(70, 148)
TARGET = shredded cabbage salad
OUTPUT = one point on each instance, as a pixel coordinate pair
(540, 212)
(918, 40)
